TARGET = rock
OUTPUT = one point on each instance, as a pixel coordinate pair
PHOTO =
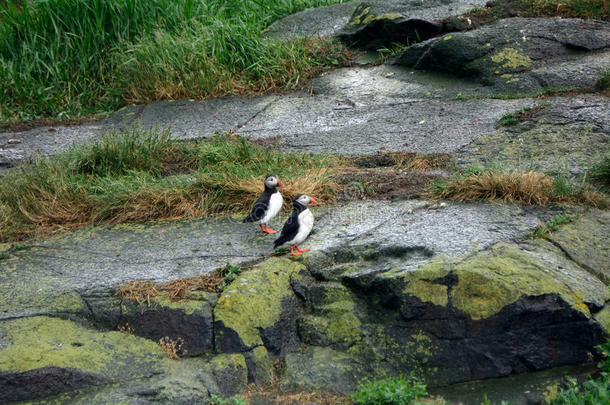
(312, 22)
(230, 373)
(319, 367)
(587, 243)
(258, 309)
(564, 137)
(44, 382)
(519, 55)
(505, 310)
(41, 351)
(188, 320)
(350, 20)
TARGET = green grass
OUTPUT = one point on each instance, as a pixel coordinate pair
(144, 175)
(597, 9)
(551, 225)
(507, 120)
(61, 59)
(600, 172)
(393, 390)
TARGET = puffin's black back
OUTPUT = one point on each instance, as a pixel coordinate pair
(291, 226)
(261, 205)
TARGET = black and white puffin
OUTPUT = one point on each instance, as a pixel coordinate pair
(268, 204)
(298, 226)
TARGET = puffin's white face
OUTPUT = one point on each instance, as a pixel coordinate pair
(305, 200)
(273, 181)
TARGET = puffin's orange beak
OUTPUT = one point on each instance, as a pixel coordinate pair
(280, 181)
(313, 201)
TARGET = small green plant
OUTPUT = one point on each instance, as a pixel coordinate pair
(507, 120)
(218, 400)
(486, 401)
(459, 97)
(229, 274)
(552, 225)
(391, 390)
(593, 391)
(600, 172)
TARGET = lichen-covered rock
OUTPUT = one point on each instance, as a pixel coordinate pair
(189, 320)
(587, 242)
(519, 54)
(258, 309)
(230, 373)
(508, 309)
(356, 18)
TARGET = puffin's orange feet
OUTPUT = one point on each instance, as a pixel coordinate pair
(263, 228)
(269, 230)
(297, 253)
(301, 250)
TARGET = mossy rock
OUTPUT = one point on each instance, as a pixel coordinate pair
(518, 55)
(230, 373)
(256, 309)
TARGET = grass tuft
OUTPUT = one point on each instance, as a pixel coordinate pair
(393, 390)
(530, 188)
(551, 226)
(596, 9)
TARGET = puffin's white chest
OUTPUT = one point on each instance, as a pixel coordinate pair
(275, 205)
(305, 226)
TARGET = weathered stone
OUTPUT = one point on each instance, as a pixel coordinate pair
(341, 19)
(189, 320)
(257, 309)
(319, 367)
(230, 373)
(519, 54)
(43, 348)
(44, 382)
(587, 242)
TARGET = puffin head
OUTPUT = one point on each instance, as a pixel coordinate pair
(272, 181)
(304, 200)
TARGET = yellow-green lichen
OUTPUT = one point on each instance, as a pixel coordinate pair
(603, 317)
(510, 58)
(447, 37)
(263, 366)
(551, 393)
(356, 19)
(197, 301)
(428, 292)
(44, 342)
(254, 300)
(496, 278)
(228, 361)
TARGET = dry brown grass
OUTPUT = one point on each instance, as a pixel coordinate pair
(273, 393)
(176, 290)
(530, 188)
(404, 161)
(173, 348)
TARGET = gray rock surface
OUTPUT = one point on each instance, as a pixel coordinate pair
(519, 55)
(564, 137)
(68, 273)
(327, 21)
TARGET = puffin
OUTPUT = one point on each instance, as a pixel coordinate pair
(268, 204)
(298, 226)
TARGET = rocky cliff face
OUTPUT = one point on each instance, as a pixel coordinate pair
(455, 292)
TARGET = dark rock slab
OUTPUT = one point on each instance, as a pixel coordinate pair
(44, 382)
(519, 54)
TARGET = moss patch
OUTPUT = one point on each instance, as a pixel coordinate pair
(254, 300)
(44, 341)
(493, 279)
(511, 59)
